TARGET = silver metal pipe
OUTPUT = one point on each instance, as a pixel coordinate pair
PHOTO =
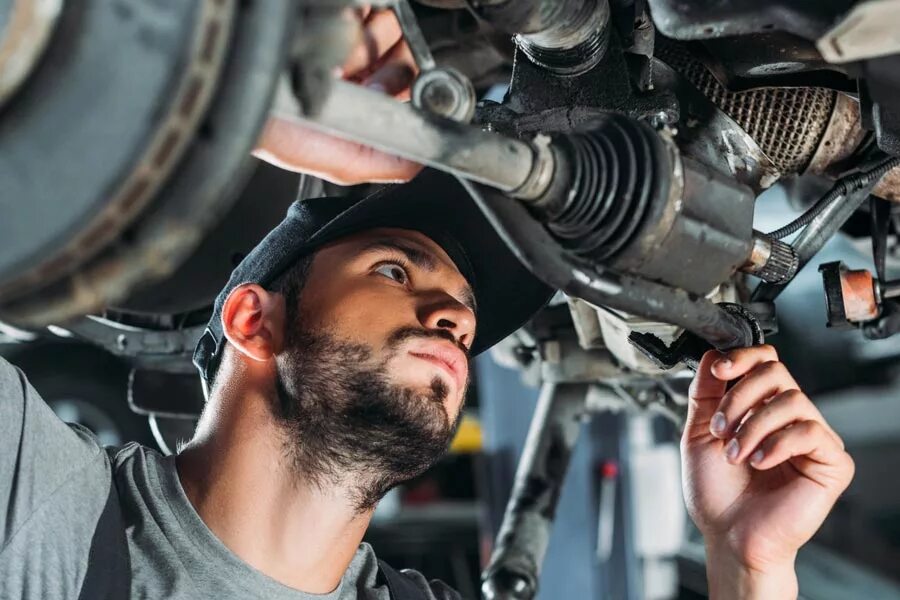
(374, 119)
(525, 532)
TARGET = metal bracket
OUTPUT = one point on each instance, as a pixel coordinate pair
(689, 348)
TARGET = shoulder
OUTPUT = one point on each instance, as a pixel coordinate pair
(364, 574)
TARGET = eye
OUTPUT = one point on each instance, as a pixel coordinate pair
(393, 271)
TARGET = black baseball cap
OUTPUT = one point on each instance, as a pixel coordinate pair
(435, 204)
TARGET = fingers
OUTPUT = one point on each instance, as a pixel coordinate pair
(703, 396)
(755, 389)
(395, 72)
(737, 362)
(787, 408)
(292, 146)
(719, 412)
(812, 450)
(379, 34)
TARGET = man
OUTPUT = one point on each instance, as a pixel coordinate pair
(336, 364)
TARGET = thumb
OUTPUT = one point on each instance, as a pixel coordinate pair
(704, 395)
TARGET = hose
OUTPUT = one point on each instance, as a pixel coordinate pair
(842, 187)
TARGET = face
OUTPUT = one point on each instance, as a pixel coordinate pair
(374, 369)
(398, 293)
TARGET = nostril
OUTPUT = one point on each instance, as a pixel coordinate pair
(446, 323)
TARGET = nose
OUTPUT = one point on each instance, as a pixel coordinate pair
(443, 311)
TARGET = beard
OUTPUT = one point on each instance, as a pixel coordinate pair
(347, 425)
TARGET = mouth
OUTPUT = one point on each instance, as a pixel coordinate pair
(450, 360)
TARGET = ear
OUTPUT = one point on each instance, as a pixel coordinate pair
(253, 321)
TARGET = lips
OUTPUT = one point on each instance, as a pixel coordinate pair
(448, 358)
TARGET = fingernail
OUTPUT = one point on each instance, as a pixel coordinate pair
(718, 423)
(723, 363)
(732, 449)
(756, 457)
(376, 86)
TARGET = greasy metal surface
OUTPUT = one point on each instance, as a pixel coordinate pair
(522, 541)
(200, 190)
(124, 340)
(889, 186)
(532, 245)
(779, 261)
(840, 139)
(704, 19)
(705, 228)
(25, 30)
(574, 40)
(787, 123)
(400, 129)
(176, 126)
(445, 92)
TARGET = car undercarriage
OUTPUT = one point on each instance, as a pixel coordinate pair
(623, 149)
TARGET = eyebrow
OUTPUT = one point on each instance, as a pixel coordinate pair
(418, 257)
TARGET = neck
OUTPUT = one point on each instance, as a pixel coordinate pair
(299, 532)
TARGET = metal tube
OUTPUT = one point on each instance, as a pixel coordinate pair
(374, 119)
(567, 37)
(532, 244)
(813, 237)
(522, 541)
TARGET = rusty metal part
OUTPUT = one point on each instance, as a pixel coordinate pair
(787, 123)
(29, 25)
(851, 296)
(840, 141)
(858, 290)
(889, 186)
(842, 136)
(190, 100)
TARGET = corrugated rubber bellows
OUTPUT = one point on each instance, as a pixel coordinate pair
(619, 169)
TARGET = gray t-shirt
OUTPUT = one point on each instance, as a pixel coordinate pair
(91, 523)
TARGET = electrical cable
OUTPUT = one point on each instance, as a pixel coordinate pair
(842, 187)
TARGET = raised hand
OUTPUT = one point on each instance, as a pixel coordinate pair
(761, 471)
(380, 60)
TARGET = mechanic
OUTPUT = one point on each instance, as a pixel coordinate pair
(336, 365)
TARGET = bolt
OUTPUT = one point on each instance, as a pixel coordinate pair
(439, 98)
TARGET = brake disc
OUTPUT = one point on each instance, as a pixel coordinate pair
(126, 142)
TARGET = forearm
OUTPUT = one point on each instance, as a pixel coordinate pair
(730, 579)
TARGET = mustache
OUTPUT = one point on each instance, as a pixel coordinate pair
(406, 333)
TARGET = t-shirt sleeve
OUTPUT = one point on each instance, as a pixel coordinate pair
(41, 458)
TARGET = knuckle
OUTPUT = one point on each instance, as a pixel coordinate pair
(795, 400)
(811, 428)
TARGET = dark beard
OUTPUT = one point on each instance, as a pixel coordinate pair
(346, 424)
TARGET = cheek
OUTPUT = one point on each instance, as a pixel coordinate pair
(358, 313)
